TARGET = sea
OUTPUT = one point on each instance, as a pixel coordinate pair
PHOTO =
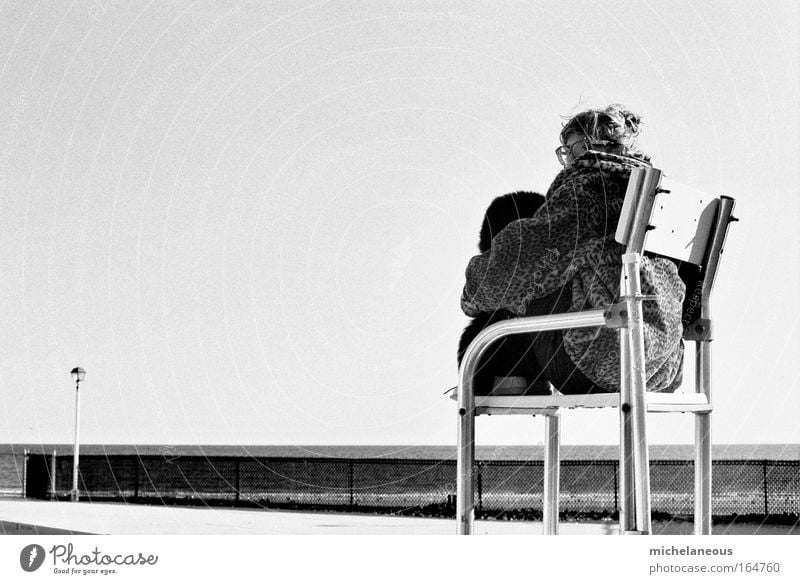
(12, 455)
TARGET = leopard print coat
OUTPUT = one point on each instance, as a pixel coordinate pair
(569, 244)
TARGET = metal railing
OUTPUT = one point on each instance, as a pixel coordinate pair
(764, 489)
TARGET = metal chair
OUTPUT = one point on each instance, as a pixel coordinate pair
(676, 222)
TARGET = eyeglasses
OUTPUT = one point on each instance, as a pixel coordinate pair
(567, 154)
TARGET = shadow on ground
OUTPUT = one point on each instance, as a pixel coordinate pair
(13, 528)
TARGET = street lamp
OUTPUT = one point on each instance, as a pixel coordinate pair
(78, 375)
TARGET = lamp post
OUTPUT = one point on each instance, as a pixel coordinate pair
(77, 376)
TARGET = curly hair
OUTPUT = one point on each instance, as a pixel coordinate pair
(613, 123)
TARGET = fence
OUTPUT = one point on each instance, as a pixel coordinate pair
(767, 489)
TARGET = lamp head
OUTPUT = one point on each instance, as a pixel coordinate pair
(78, 374)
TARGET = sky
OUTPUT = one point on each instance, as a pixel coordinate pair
(249, 222)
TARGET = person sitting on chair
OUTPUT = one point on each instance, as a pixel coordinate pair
(564, 259)
(507, 354)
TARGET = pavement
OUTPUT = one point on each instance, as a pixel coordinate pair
(22, 516)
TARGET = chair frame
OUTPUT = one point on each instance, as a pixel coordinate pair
(633, 402)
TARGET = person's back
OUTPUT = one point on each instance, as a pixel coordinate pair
(565, 258)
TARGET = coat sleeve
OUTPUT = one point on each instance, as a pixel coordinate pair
(532, 257)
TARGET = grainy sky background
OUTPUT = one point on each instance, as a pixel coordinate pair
(249, 222)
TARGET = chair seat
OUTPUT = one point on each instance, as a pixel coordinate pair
(548, 404)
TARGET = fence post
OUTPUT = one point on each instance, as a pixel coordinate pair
(53, 477)
(24, 472)
(238, 485)
(136, 478)
(766, 500)
(350, 484)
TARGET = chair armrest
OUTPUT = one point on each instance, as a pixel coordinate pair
(527, 324)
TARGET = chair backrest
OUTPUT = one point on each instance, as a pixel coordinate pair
(681, 223)
(665, 218)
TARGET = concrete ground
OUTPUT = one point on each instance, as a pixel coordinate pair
(20, 516)
(30, 517)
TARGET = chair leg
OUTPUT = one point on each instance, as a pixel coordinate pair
(627, 518)
(552, 464)
(702, 474)
(638, 387)
(702, 443)
(641, 478)
(465, 463)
